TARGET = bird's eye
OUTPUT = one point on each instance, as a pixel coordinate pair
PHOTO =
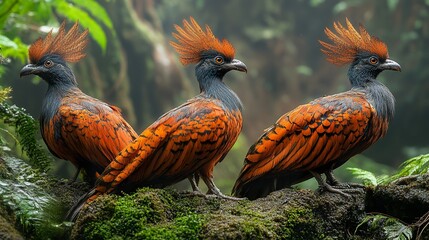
(373, 60)
(218, 60)
(48, 63)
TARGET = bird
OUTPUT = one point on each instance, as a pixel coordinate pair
(75, 127)
(318, 137)
(189, 140)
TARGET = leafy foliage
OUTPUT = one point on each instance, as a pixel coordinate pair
(414, 166)
(25, 195)
(367, 177)
(393, 228)
(16, 16)
(26, 129)
(85, 12)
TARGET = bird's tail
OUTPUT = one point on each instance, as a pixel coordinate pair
(254, 189)
(261, 187)
(74, 211)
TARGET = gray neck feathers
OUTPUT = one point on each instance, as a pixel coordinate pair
(219, 90)
(381, 98)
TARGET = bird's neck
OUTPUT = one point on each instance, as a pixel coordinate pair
(378, 95)
(54, 97)
(59, 89)
(213, 87)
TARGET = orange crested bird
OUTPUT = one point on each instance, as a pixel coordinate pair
(320, 136)
(76, 127)
(188, 141)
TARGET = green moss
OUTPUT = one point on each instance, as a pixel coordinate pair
(167, 214)
(185, 203)
(148, 213)
(300, 223)
(222, 226)
(186, 227)
(240, 220)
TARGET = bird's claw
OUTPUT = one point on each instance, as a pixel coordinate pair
(224, 197)
(350, 186)
(194, 193)
(329, 188)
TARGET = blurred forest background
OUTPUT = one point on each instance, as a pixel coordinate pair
(130, 63)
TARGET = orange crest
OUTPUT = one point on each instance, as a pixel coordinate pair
(68, 45)
(193, 41)
(348, 42)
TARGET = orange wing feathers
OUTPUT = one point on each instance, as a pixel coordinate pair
(87, 132)
(70, 46)
(347, 42)
(179, 143)
(193, 41)
(309, 138)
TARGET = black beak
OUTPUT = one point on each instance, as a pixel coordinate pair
(237, 65)
(28, 70)
(390, 65)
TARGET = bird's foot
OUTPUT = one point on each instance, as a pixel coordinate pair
(329, 188)
(350, 186)
(197, 193)
(223, 196)
(213, 190)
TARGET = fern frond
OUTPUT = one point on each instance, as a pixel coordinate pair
(414, 166)
(368, 178)
(24, 192)
(26, 128)
(392, 227)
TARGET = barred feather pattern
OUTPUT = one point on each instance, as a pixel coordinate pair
(193, 42)
(348, 42)
(69, 45)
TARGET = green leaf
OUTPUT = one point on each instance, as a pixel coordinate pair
(6, 42)
(15, 48)
(96, 11)
(415, 165)
(72, 12)
(6, 8)
(368, 178)
(393, 228)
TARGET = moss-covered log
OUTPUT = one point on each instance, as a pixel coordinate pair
(166, 214)
(406, 199)
(169, 214)
(285, 214)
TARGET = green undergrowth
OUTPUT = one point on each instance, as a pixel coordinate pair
(17, 124)
(409, 170)
(418, 165)
(24, 192)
